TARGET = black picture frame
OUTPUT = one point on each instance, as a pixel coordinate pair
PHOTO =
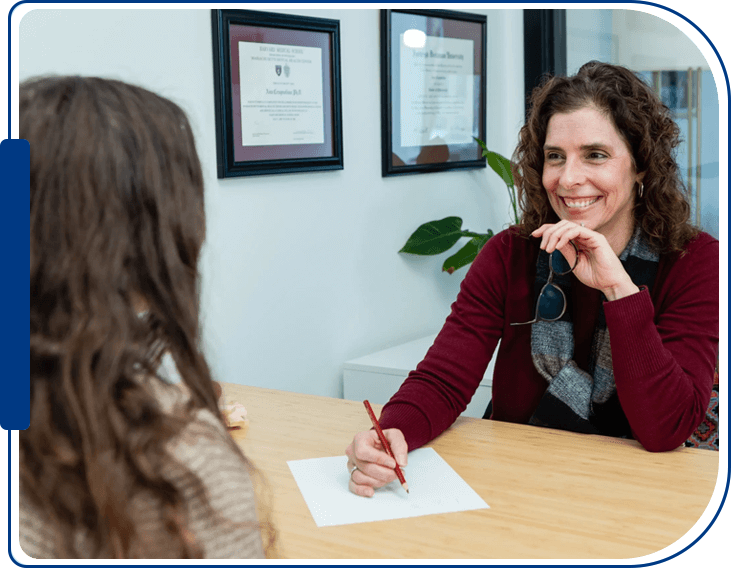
(286, 42)
(403, 150)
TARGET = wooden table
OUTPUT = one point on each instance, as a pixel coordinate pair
(552, 494)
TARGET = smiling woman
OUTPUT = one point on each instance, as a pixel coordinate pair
(596, 181)
(614, 111)
(589, 174)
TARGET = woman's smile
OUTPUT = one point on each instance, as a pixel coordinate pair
(589, 173)
(579, 202)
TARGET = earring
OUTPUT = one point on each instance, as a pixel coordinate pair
(641, 190)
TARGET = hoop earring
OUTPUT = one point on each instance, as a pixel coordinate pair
(641, 190)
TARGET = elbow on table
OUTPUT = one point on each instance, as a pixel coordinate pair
(657, 445)
(661, 441)
(670, 431)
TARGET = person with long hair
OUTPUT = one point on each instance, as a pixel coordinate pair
(604, 299)
(117, 462)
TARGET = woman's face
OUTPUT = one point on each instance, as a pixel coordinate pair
(589, 174)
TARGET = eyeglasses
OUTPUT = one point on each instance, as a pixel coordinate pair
(551, 303)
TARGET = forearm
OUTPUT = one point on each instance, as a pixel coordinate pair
(663, 376)
(442, 385)
(439, 389)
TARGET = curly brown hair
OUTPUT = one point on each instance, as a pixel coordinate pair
(116, 215)
(645, 124)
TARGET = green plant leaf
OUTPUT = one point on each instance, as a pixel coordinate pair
(434, 237)
(499, 164)
(466, 254)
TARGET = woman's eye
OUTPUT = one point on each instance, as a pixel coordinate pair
(597, 156)
(553, 156)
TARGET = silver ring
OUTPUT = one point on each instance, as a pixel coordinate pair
(582, 225)
(352, 471)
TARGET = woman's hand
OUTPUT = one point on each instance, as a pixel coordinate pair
(369, 464)
(598, 265)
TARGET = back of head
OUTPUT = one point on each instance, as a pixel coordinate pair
(643, 122)
(116, 227)
(116, 204)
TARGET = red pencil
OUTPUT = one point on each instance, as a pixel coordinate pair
(385, 444)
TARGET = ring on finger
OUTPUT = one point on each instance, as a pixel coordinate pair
(352, 471)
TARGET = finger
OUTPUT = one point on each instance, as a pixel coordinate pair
(543, 232)
(399, 447)
(540, 230)
(561, 235)
(545, 235)
(349, 452)
(548, 233)
(551, 238)
(362, 490)
(367, 449)
(373, 475)
(569, 253)
(562, 242)
(370, 474)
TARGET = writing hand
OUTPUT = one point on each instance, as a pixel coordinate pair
(369, 464)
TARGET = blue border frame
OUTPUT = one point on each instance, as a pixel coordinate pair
(709, 20)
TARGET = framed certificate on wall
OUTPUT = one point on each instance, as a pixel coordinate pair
(433, 70)
(277, 93)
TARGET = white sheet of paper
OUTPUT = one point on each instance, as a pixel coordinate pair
(434, 487)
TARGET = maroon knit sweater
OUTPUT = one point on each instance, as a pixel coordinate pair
(664, 346)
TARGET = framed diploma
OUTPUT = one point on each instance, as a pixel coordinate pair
(433, 68)
(277, 93)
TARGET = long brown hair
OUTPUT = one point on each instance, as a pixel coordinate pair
(642, 120)
(116, 216)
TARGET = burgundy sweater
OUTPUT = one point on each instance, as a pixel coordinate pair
(664, 346)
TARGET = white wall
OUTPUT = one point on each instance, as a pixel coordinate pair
(588, 36)
(301, 271)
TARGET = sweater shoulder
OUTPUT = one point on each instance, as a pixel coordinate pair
(703, 249)
(702, 242)
(505, 244)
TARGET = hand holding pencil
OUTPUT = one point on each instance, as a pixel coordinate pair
(369, 463)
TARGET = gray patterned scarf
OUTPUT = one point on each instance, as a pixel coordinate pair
(576, 400)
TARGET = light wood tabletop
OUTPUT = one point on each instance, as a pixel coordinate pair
(552, 494)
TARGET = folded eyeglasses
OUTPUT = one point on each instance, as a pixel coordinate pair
(551, 303)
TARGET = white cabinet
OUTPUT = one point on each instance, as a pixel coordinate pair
(378, 376)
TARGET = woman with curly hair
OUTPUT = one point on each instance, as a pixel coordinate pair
(118, 463)
(604, 299)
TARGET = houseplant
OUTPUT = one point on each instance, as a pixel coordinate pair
(436, 237)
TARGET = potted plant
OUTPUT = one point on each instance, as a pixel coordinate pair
(436, 237)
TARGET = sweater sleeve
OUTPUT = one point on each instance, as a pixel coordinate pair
(222, 511)
(664, 355)
(439, 389)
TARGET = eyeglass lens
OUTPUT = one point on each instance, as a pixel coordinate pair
(551, 303)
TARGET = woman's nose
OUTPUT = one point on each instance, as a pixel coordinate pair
(572, 173)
